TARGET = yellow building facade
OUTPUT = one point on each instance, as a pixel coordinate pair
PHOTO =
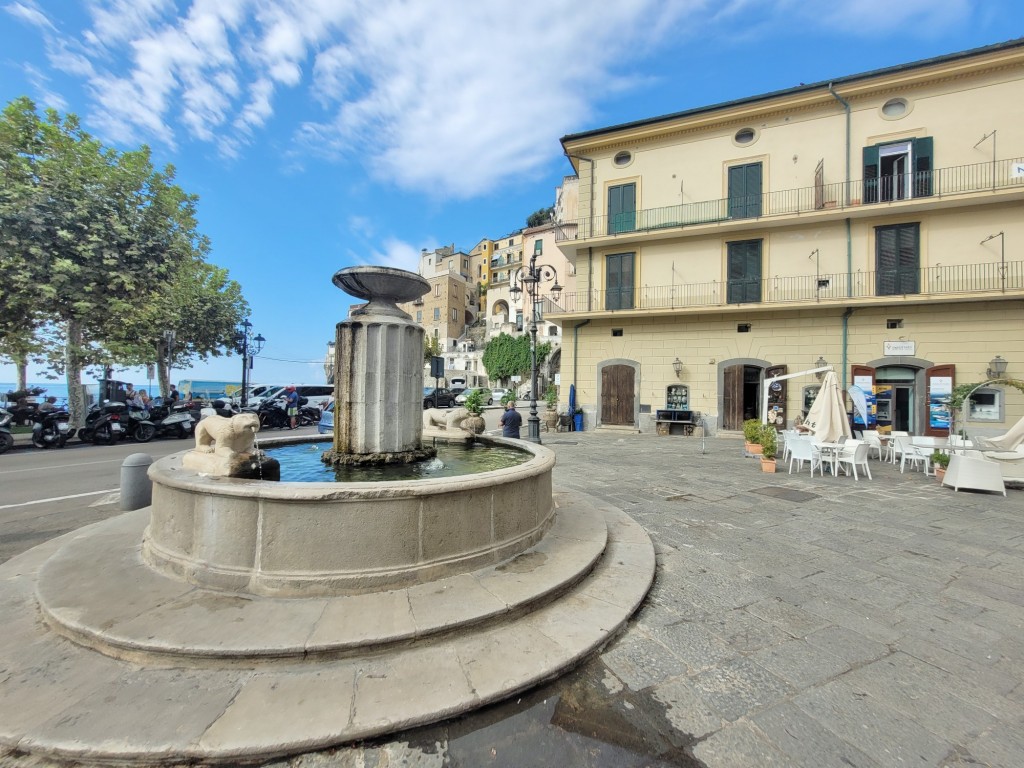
(874, 223)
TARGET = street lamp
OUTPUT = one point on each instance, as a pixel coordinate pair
(529, 282)
(248, 343)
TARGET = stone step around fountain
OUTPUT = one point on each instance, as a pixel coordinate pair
(65, 701)
(98, 592)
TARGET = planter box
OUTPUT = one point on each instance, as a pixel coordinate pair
(767, 465)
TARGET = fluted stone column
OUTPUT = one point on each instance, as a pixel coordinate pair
(378, 370)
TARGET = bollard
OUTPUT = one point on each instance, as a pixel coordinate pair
(136, 487)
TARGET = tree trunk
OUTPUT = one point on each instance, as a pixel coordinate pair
(73, 371)
(163, 373)
(21, 364)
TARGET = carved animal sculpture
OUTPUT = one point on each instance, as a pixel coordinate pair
(227, 437)
(445, 418)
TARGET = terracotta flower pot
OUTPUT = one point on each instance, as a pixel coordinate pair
(767, 465)
(754, 449)
(939, 474)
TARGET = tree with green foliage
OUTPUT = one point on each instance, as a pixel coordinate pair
(90, 239)
(506, 356)
(540, 217)
(431, 347)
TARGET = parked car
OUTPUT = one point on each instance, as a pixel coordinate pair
(498, 394)
(440, 397)
(487, 399)
(326, 424)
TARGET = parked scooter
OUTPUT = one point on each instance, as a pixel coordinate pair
(273, 415)
(171, 421)
(308, 415)
(6, 438)
(105, 423)
(139, 427)
(51, 429)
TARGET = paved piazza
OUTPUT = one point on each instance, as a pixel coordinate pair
(793, 622)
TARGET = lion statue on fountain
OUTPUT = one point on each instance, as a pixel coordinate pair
(446, 422)
(225, 447)
(227, 437)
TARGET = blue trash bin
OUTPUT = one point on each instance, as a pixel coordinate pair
(578, 421)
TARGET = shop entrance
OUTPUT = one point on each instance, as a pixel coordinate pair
(741, 395)
(895, 397)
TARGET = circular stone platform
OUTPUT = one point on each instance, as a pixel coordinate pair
(158, 670)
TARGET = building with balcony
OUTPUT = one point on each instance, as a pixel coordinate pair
(506, 258)
(874, 222)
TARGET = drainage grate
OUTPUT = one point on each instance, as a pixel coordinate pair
(786, 494)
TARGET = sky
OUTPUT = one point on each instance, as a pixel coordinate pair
(320, 134)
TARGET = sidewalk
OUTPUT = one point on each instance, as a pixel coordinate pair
(793, 622)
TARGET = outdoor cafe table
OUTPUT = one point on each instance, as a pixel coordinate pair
(830, 453)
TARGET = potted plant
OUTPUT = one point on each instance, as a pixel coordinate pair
(551, 416)
(752, 436)
(940, 461)
(475, 405)
(769, 440)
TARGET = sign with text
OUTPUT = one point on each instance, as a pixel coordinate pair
(1017, 170)
(899, 348)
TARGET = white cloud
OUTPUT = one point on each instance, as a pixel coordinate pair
(395, 253)
(449, 98)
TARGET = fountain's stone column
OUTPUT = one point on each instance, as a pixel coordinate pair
(378, 371)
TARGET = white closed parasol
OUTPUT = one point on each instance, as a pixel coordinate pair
(827, 417)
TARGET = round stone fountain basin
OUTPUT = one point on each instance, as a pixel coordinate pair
(308, 539)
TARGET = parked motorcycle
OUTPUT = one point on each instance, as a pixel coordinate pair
(6, 438)
(171, 421)
(105, 423)
(308, 415)
(51, 429)
(139, 426)
(273, 415)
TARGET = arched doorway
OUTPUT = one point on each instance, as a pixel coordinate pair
(739, 391)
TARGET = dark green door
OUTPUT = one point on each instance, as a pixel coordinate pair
(621, 208)
(619, 275)
(744, 272)
(745, 191)
(897, 259)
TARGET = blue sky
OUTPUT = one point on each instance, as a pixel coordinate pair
(320, 134)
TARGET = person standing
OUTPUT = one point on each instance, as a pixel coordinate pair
(291, 402)
(511, 421)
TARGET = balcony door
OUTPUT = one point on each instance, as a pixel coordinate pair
(619, 281)
(897, 259)
(744, 272)
(621, 208)
(745, 191)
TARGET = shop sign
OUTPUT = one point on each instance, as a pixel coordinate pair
(899, 348)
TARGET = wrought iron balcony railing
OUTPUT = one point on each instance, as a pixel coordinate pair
(837, 287)
(980, 177)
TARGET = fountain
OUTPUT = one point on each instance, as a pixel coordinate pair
(242, 619)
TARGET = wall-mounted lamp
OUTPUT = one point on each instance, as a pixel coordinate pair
(677, 366)
(821, 362)
(996, 367)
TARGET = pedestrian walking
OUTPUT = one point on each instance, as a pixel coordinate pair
(510, 421)
(291, 401)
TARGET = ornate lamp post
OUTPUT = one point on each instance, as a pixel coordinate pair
(528, 282)
(250, 347)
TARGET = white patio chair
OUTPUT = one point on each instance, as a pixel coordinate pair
(898, 443)
(916, 455)
(854, 457)
(874, 441)
(787, 436)
(801, 450)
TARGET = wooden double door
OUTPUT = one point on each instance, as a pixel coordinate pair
(618, 395)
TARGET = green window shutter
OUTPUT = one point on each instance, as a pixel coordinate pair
(743, 272)
(619, 281)
(621, 208)
(897, 259)
(871, 174)
(745, 191)
(923, 166)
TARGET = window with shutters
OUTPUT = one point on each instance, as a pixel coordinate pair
(898, 170)
(744, 272)
(619, 281)
(745, 191)
(897, 259)
(621, 208)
